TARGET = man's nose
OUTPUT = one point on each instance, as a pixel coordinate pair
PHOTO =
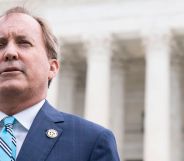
(11, 52)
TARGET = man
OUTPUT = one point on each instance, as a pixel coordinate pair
(28, 63)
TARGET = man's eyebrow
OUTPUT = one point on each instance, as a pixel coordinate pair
(16, 37)
(3, 38)
(23, 37)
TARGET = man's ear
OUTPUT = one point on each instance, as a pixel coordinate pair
(54, 68)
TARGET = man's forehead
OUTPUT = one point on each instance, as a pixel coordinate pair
(18, 22)
(18, 19)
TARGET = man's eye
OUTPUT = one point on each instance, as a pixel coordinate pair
(24, 43)
(2, 45)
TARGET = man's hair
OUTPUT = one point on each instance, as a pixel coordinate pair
(50, 41)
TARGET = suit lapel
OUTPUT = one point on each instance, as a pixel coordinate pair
(37, 144)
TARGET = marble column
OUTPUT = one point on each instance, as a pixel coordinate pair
(117, 105)
(98, 80)
(157, 101)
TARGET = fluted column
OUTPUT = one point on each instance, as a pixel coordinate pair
(117, 105)
(98, 80)
(157, 106)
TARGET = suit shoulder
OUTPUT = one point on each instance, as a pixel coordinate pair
(82, 123)
(93, 137)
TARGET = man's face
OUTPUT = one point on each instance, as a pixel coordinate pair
(24, 65)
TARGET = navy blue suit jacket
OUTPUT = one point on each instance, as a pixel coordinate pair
(77, 140)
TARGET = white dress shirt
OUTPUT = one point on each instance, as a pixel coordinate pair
(24, 121)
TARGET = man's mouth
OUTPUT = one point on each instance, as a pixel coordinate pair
(10, 70)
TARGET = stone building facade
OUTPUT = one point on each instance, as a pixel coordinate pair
(122, 66)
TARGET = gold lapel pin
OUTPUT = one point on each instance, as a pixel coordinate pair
(51, 133)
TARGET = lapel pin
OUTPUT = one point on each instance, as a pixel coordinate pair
(51, 133)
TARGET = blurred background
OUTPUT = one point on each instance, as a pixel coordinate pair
(121, 67)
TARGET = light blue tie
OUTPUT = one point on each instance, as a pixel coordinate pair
(7, 140)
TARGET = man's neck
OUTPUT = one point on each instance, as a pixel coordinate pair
(12, 106)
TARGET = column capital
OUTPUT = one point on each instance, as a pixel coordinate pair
(156, 39)
(96, 44)
(97, 37)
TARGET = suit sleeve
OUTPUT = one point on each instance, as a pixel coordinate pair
(105, 148)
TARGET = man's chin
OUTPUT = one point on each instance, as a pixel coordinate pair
(11, 88)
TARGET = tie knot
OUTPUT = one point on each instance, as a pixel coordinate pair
(8, 121)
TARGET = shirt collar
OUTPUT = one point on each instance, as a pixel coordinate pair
(26, 117)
